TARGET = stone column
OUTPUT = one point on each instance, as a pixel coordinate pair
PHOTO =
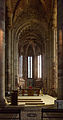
(9, 61)
(35, 71)
(2, 52)
(25, 72)
(60, 52)
(55, 66)
(12, 60)
(15, 65)
(52, 59)
(47, 65)
(52, 64)
(60, 48)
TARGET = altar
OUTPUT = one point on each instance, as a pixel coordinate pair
(30, 91)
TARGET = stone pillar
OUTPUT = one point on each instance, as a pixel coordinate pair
(12, 60)
(60, 52)
(52, 65)
(9, 61)
(45, 68)
(2, 52)
(55, 66)
(35, 70)
(52, 60)
(25, 72)
(15, 66)
(60, 48)
(47, 65)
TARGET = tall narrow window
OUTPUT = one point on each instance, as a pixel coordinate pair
(39, 66)
(30, 67)
(21, 66)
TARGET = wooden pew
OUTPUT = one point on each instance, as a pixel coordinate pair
(5, 111)
(52, 113)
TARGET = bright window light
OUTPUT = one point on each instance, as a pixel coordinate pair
(30, 67)
(39, 66)
(21, 66)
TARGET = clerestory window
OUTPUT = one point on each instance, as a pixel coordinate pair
(21, 66)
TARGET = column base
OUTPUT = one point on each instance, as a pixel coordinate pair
(59, 104)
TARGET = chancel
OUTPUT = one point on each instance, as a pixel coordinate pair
(31, 55)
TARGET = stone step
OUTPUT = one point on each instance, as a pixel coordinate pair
(38, 99)
(34, 103)
(29, 101)
(20, 100)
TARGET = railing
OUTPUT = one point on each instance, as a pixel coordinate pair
(10, 113)
(52, 113)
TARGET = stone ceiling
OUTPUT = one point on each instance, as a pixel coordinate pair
(19, 5)
(48, 4)
(27, 17)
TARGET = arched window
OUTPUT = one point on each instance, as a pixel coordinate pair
(21, 66)
(40, 66)
(29, 66)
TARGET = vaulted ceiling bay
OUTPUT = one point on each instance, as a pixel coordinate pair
(31, 27)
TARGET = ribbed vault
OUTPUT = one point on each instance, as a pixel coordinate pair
(31, 34)
(30, 26)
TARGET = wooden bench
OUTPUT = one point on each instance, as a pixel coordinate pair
(52, 113)
(6, 111)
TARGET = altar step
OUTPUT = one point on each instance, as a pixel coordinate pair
(28, 101)
(25, 99)
(34, 103)
(29, 98)
(31, 101)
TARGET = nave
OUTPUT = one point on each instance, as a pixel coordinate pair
(31, 53)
